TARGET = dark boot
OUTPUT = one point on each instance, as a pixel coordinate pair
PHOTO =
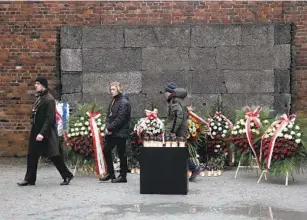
(25, 183)
(107, 177)
(194, 174)
(120, 179)
(67, 180)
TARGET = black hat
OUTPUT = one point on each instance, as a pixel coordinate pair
(42, 80)
(170, 87)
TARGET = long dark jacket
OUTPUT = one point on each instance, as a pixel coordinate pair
(44, 123)
(119, 116)
(177, 113)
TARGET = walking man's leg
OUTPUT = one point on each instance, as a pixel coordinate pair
(30, 178)
(59, 163)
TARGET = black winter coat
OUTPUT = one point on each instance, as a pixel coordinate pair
(119, 116)
(44, 123)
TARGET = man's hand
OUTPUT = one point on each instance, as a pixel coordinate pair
(39, 137)
(108, 132)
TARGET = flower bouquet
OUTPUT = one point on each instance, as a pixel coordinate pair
(195, 136)
(150, 130)
(247, 132)
(85, 136)
(282, 149)
(217, 145)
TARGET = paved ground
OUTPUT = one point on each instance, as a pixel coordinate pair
(209, 198)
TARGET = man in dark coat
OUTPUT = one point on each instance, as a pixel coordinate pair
(177, 118)
(43, 140)
(116, 133)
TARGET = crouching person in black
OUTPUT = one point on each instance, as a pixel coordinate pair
(116, 133)
(44, 139)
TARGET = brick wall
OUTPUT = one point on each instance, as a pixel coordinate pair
(29, 32)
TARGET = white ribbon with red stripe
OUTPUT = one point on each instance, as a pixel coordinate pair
(282, 122)
(100, 164)
(252, 116)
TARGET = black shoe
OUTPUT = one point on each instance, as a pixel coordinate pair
(25, 183)
(107, 177)
(67, 180)
(194, 174)
(120, 179)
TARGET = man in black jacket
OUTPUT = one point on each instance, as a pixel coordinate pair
(44, 139)
(116, 133)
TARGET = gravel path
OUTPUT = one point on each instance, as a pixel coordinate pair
(215, 198)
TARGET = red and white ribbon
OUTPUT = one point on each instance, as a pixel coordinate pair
(100, 164)
(58, 118)
(196, 117)
(252, 116)
(282, 122)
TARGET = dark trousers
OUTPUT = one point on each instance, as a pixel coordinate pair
(32, 162)
(192, 166)
(110, 143)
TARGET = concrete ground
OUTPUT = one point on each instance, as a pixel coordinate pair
(218, 198)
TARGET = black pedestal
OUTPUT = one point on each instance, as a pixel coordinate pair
(163, 170)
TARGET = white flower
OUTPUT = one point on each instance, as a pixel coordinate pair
(297, 127)
(80, 124)
(298, 141)
(86, 123)
(214, 127)
(266, 121)
(226, 126)
(76, 124)
(86, 133)
(243, 131)
(223, 135)
(69, 135)
(242, 122)
(280, 135)
(77, 133)
(290, 137)
(252, 124)
(76, 129)
(82, 118)
(224, 131)
(254, 130)
(234, 132)
(238, 122)
(213, 133)
(285, 129)
(218, 124)
(286, 136)
(212, 124)
(73, 134)
(292, 132)
(72, 130)
(99, 119)
(240, 131)
(218, 146)
(220, 129)
(257, 132)
(266, 136)
(98, 123)
(82, 128)
(219, 119)
(298, 134)
(290, 125)
(81, 133)
(215, 150)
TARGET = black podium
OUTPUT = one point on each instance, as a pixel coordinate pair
(163, 170)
